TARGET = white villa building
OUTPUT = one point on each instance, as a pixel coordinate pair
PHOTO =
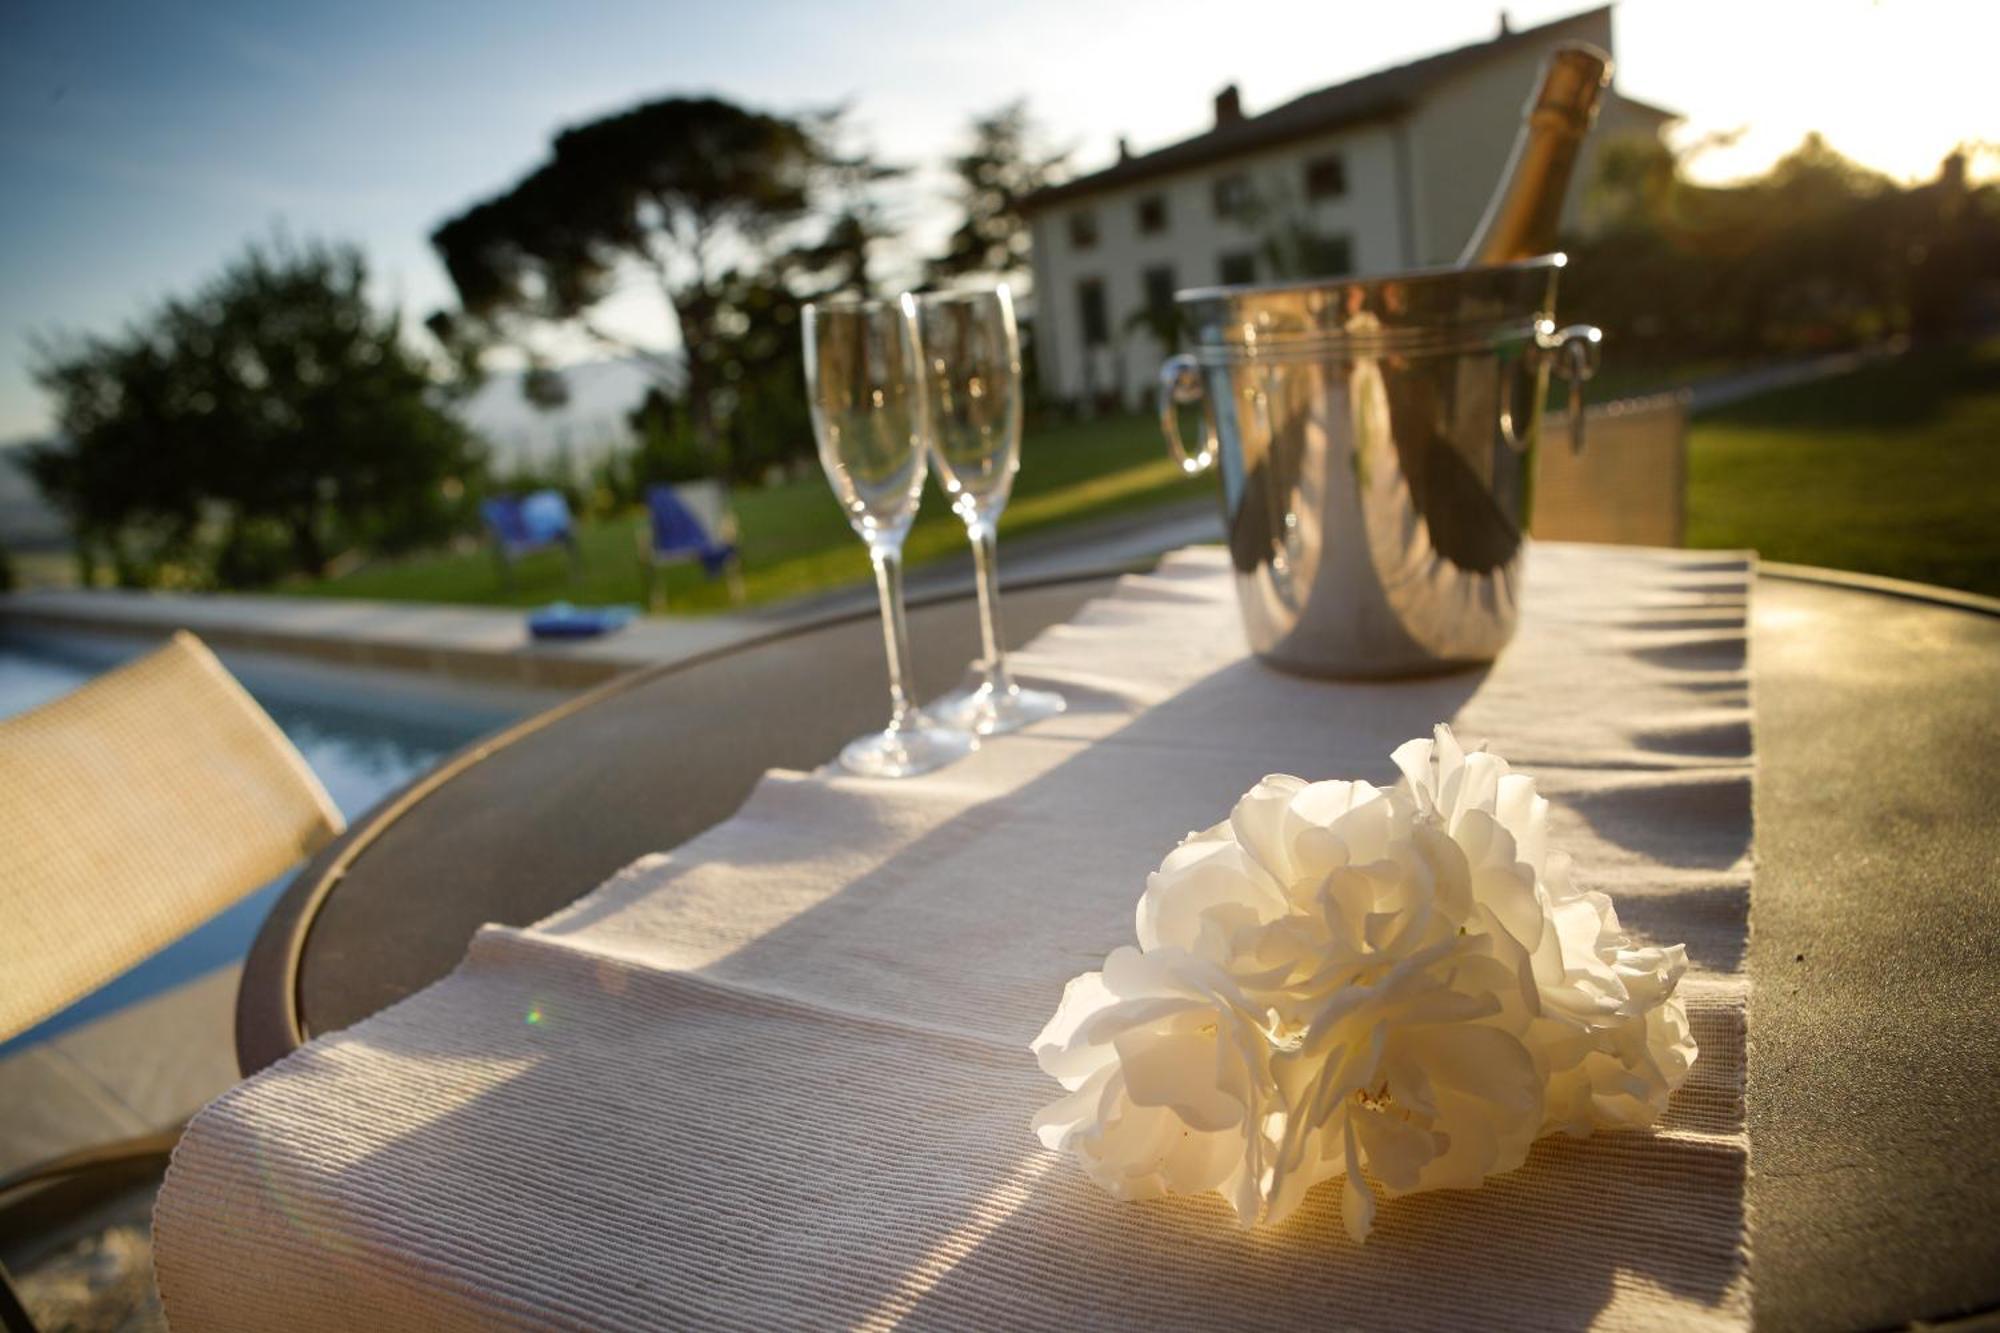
(1386, 172)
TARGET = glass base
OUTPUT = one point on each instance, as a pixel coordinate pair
(907, 751)
(985, 711)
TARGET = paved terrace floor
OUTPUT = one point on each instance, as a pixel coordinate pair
(476, 643)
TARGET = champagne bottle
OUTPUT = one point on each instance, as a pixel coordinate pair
(1526, 208)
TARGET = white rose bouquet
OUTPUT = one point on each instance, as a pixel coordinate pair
(1342, 980)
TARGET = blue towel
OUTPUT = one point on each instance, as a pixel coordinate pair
(561, 620)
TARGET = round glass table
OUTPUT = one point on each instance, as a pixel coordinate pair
(1874, 1099)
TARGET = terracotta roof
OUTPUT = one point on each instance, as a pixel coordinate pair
(1377, 96)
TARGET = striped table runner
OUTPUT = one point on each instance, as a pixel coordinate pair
(780, 1076)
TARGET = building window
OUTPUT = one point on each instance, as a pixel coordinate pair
(1326, 256)
(1083, 229)
(1232, 195)
(1158, 282)
(1090, 307)
(1152, 215)
(1326, 176)
(1237, 266)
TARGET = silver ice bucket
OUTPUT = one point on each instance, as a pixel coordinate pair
(1376, 442)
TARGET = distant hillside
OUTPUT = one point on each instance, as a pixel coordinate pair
(592, 424)
(26, 523)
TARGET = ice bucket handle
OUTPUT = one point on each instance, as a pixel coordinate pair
(1180, 384)
(1576, 349)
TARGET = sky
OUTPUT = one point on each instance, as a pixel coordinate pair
(142, 144)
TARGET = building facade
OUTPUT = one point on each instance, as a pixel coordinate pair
(1390, 171)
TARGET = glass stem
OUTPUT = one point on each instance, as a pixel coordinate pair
(986, 567)
(888, 562)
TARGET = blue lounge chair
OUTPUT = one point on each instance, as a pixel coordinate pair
(521, 525)
(690, 522)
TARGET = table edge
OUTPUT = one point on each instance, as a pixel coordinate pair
(1907, 589)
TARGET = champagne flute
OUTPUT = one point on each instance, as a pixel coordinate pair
(862, 375)
(972, 381)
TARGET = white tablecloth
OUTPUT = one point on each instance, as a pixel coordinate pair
(780, 1076)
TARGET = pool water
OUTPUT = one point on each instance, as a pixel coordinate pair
(366, 734)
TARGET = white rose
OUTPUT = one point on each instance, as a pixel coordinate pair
(1405, 1019)
(1611, 1036)
(1614, 1035)
(1169, 1070)
(1344, 981)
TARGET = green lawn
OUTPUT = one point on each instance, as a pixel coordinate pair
(793, 537)
(1893, 470)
